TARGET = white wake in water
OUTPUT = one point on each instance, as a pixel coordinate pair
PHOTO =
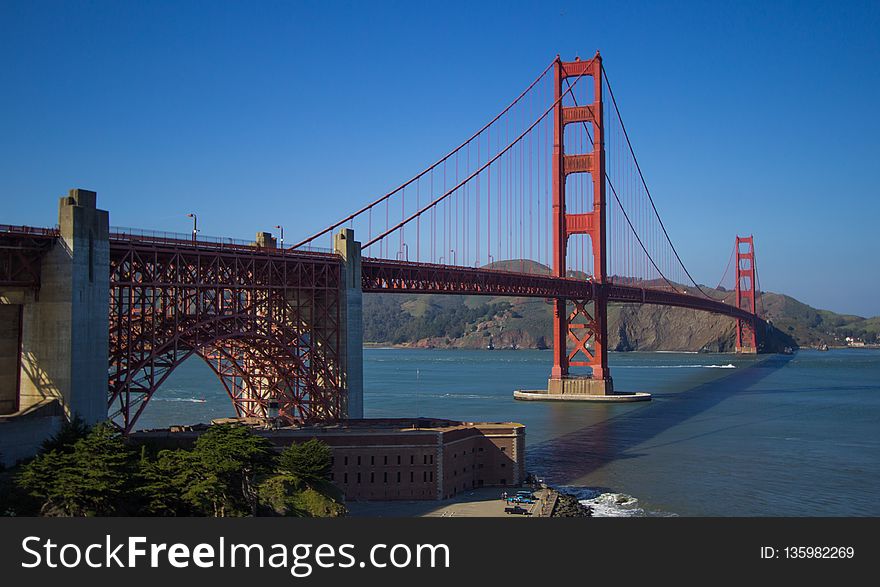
(727, 366)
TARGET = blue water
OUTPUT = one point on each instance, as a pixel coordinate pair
(724, 435)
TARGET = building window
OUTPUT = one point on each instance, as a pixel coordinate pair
(386, 459)
(345, 477)
(412, 476)
(503, 465)
(372, 477)
(372, 460)
(412, 459)
(430, 475)
(345, 461)
(385, 477)
(398, 476)
(359, 459)
(424, 459)
(431, 459)
(359, 476)
(332, 461)
(398, 459)
(424, 475)
(503, 449)
(481, 449)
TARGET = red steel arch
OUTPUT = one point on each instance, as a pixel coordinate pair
(266, 321)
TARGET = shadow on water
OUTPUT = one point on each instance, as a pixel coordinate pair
(567, 458)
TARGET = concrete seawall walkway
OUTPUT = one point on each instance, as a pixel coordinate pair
(479, 503)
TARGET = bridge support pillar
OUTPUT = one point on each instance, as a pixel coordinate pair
(572, 385)
(64, 329)
(746, 286)
(352, 322)
(586, 325)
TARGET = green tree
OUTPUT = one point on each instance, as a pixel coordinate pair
(90, 480)
(308, 460)
(39, 479)
(66, 437)
(165, 483)
(227, 460)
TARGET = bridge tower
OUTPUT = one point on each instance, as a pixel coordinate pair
(586, 324)
(746, 334)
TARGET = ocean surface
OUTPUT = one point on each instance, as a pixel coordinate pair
(724, 435)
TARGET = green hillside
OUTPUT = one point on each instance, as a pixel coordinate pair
(455, 321)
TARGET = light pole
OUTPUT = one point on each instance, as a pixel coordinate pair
(195, 224)
(281, 228)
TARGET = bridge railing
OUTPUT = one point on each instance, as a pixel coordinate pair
(28, 230)
(215, 242)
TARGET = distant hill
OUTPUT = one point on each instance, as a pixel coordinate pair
(455, 321)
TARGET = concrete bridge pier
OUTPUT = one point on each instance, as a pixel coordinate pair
(352, 322)
(60, 368)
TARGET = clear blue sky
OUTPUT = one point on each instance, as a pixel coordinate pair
(748, 117)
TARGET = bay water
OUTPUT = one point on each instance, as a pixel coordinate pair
(724, 435)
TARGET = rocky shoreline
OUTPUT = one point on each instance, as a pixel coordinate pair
(568, 506)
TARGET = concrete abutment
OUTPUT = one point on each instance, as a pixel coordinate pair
(54, 345)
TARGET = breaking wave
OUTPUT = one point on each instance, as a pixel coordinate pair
(610, 504)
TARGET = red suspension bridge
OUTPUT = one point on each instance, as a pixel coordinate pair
(522, 208)
(546, 200)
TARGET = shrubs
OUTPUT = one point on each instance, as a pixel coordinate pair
(301, 486)
(288, 495)
(228, 472)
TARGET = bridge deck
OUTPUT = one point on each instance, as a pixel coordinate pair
(381, 275)
(19, 245)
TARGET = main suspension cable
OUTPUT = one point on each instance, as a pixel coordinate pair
(645, 184)
(431, 168)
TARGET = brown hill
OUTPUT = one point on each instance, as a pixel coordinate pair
(478, 322)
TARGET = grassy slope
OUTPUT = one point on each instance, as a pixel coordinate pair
(474, 321)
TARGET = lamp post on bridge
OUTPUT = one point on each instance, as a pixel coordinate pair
(195, 218)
